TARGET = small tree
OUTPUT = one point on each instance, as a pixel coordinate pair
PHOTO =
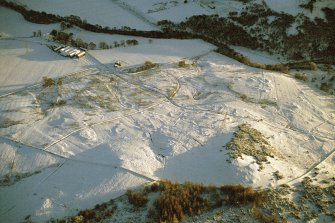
(60, 81)
(53, 33)
(132, 42)
(103, 45)
(116, 44)
(79, 42)
(63, 25)
(92, 46)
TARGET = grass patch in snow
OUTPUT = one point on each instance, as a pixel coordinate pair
(278, 175)
(250, 142)
(11, 178)
(7, 122)
(306, 202)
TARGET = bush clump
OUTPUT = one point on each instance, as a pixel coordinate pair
(178, 200)
(48, 82)
(183, 64)
(300, 76)
(326, 87)
(136, 198)
(278, 67)
(303, 66)
(146, 66)
(238, 195)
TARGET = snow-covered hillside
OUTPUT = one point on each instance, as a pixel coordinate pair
(88, 131)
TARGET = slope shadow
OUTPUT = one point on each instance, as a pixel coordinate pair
(204, 164)
(101, 154)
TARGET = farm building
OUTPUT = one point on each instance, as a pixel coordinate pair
(68, 51)
(81, 54)
(117, 64)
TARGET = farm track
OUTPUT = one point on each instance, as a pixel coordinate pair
(322, 160)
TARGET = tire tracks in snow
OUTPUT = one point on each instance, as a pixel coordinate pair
(135, 12)
(46, 149)
(323, 159)
(69, 159)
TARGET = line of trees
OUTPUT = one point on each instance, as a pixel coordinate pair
(67, 38)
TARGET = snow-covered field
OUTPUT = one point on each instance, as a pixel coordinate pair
(12, 24)
(98, 130)
(175, 11)
(24, 62)
(106, 13)
(154, 50)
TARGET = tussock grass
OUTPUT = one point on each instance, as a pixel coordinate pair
(7, 122)
(250, 142)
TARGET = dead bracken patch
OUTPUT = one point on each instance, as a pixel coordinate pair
(250, 142)
(137, 199)
(171, 202)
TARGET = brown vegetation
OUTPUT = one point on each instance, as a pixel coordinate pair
(136, 198)
(146, 66)
(239, 195)
(48, 82)
(178, 200)
(174, 201)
